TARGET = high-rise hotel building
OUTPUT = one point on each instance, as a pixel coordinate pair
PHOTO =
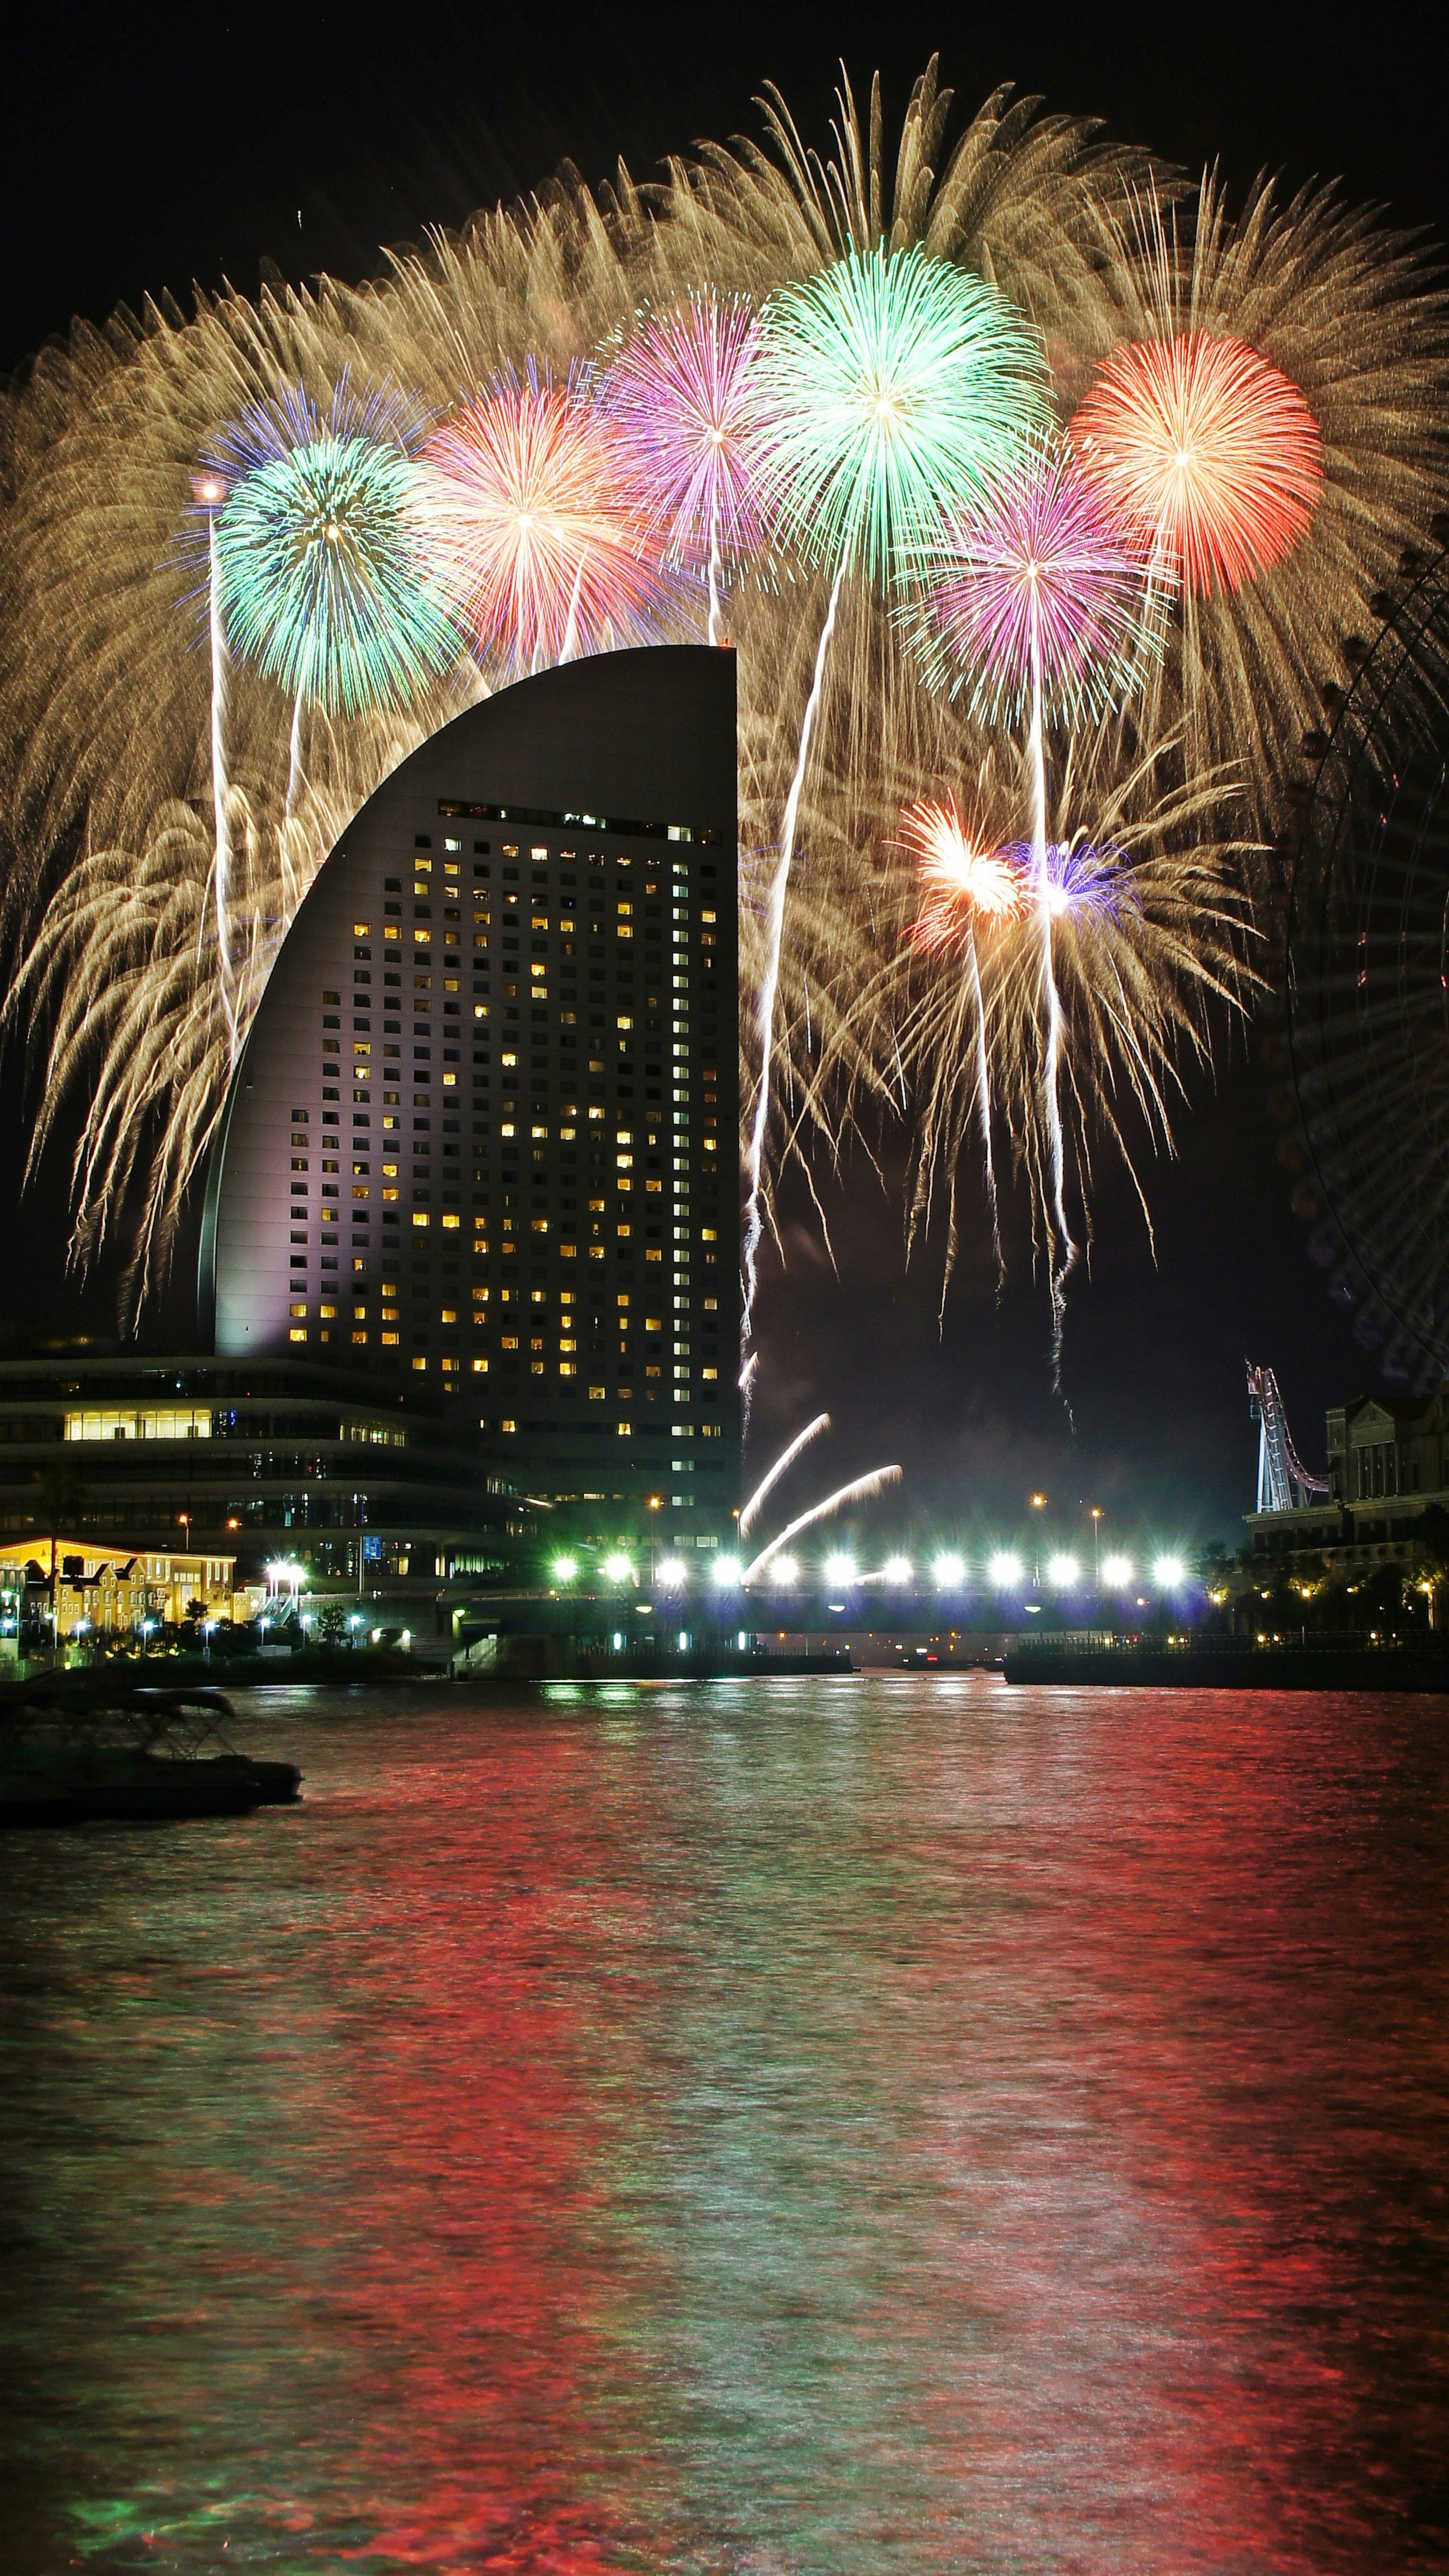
(482, 1139)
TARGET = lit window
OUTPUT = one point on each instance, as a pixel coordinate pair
(480, 1368)
(509, 1342)
(450, 1315)
(597, 1394)
(326, 1311)
(301, 1310)
(362, 930)
(420, 1362)
(568, 1368)
(538, 1131)
(420, 1216)
(389, 1340)
(359, 1337)
(298, 1333)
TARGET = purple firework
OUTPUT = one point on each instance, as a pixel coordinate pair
(682, 400)
(1080, 882)
(1034, 599)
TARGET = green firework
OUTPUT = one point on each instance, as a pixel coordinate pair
(323, 584)
(895, 385)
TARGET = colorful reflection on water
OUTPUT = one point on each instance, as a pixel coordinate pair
(863, 2126)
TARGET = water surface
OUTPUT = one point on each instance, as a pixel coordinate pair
(877, 2126)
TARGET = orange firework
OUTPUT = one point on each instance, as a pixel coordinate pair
(1210, 458)
(965, 886)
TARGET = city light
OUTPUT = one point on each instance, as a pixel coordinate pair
(897, 1569)
(564, 1569)
(672, 1574)
(949, 1568)
(1004, 1569)
(1063, 1572)
(1117, 1570)
(617, 1569)
(784, 1569)
(839, 1570)
(1168, 1571)
(726, 1571)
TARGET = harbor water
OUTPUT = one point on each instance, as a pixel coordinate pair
(874, 2126)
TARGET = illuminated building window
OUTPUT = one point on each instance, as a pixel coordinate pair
(389, 1340)
(298, 1333)
(420, 1362)
(480, 1368)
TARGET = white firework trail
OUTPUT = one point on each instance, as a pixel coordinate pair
(769, 988)
(863, 1490)
(786, 1459)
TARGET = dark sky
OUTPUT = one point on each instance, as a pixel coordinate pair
(150, 146)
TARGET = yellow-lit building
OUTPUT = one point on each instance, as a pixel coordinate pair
(110, 1591)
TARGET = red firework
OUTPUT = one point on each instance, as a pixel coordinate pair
(1208, 455)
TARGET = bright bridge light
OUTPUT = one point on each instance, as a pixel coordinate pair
(783, 1569)
(839, 1570)
(726, 1571)
(564, 1569)
(1004, 1569)
(949, 1568)
(617, 1569)
(897, 1569)
(672, 1574)
(1063, 1572)
(1117, 1570)
(1168, 1571)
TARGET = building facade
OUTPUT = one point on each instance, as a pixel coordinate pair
(482, 1142)
(249, 1461)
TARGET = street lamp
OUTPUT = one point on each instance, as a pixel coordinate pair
(1096, 1535)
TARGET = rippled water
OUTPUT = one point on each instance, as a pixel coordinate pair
(883, 2125)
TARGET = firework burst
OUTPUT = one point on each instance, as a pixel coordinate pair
(892, 387)
(1206, 453)
(681, 397)
(1268, 426)
(524, 502)
(322, 582)
(1035, 598)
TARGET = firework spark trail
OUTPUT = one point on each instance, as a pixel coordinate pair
(961, 879)
(294, 760)
(220, 790)
(1063, 1253)
(770, 984)
(1036, 598)
(864, 1489)
(786, 1460)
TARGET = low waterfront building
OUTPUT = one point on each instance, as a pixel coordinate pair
(250, 1462)
(72, 1590)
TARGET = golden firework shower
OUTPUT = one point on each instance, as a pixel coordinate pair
(165, 816)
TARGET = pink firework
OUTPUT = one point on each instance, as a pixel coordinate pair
(967, 886)
(1037, 595)
(530, 516)
(681, 398)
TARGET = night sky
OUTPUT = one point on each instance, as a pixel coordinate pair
(150, 146)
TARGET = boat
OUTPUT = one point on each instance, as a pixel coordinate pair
(76, 1749)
